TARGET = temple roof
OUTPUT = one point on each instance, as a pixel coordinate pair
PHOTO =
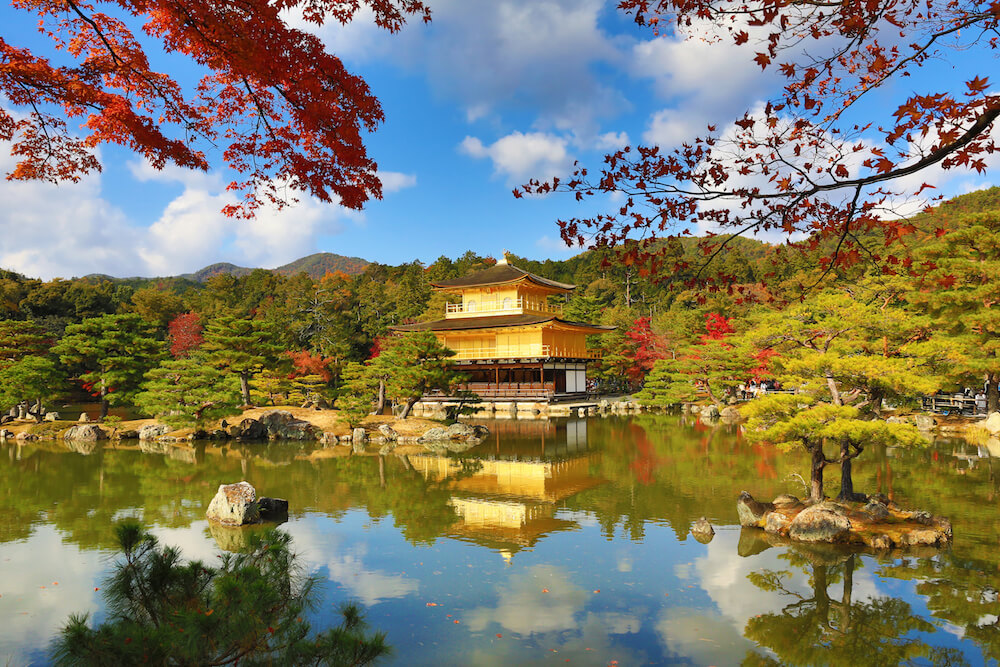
(500, 274)
(492, 322)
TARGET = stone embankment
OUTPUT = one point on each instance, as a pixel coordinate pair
(531, 409)
(878, 524)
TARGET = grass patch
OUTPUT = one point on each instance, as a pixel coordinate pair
(49, 429)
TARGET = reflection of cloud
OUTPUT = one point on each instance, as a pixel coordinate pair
(724, 577)
(368, 586)
(723, 574)
(525, 609)
(31, 606)
(346, 564)
(700, 638)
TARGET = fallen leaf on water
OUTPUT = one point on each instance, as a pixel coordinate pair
(545, 590)
(499, 636)
(598, 590)
(455, 621)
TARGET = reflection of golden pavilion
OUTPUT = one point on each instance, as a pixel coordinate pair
(509, 504)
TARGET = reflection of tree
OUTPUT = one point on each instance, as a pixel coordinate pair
(82, 495)
(673, 468)
(960, 591)
(817, 628)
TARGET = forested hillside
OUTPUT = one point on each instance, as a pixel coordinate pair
(939, 278)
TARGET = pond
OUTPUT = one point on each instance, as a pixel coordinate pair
(552, 542)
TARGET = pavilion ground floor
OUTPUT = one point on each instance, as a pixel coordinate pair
(546, 380)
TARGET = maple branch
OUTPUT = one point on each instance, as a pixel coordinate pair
(189, 125)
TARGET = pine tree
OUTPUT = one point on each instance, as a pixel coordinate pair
(415, 364)
(712, 366)
(845, 355)
(243, 347)
(34, 378)
(959, 285)
(21, 339)
(248, 610)
(187, 392)
(112, 353)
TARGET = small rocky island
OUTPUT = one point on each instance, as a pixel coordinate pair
(878, 523)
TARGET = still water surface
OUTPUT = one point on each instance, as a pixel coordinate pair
(552, 542)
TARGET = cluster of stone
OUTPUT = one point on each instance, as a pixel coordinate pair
(878, 524)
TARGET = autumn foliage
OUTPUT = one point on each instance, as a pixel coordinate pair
(306, 363)
(647, 346)
(282, 112)
(826, 157)
(184, 334)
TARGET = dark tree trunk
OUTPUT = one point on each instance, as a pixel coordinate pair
(104, 400)
(380, 405)
(992, 392)
(822, 596)
(847, 493)
(845, 600)
(818, 463)
(245, 387)
(410, 402)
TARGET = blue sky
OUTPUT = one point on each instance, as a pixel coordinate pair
(483, 98)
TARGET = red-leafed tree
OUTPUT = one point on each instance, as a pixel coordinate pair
(285, 115)
(717, 327)
(647, 346)
(817, 158)
(184, 334)
(306, 363)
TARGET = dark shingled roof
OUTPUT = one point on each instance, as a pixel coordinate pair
(498, 275)
(487, 322)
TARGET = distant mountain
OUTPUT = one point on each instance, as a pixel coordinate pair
(316, 266)
(217, 269)
(322, 263)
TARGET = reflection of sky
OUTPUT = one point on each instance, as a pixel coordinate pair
(724, 575)
(638, 600)
(42, 581)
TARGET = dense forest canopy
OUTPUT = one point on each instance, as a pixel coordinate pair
(315, 326)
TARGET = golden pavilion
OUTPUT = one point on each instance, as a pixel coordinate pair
(509, 337)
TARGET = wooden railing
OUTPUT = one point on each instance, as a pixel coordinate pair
(509, 390)
(523, 351)
(508, 306)
(953, 405)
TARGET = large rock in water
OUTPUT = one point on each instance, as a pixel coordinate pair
(85, 432)
(824, 522)
(992, 423)
(282, 425)
(249, 429)
(751, 512)
(153, 431)
(702, 530)
(234, 505)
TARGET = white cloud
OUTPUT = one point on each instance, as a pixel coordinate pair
(556, 245)
(535, 55)
(70, 229)
(521, 156)
(669, 128)
(394, 181)
(611, 141)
